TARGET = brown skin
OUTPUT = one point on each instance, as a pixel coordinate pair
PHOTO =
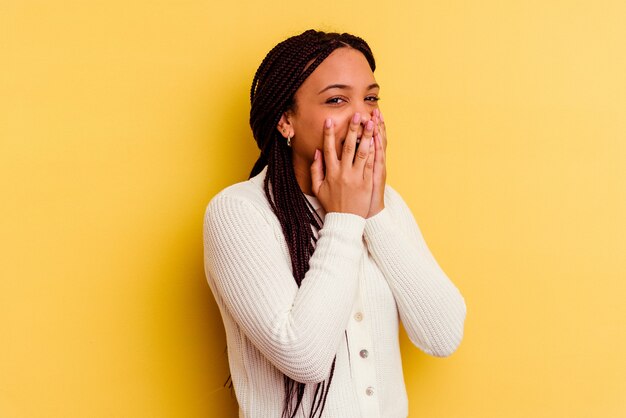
(335, 106)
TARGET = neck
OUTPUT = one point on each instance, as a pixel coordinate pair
(303, 175)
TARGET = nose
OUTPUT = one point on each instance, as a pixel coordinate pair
(365, 111)
(362, 107)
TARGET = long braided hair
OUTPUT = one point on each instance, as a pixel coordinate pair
(275, 83)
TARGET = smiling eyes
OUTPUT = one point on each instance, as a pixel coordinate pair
(340, 100)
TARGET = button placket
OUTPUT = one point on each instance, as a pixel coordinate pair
(362, 366)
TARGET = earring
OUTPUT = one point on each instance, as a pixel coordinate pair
(289, 141)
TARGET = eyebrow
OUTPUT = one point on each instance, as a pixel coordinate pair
(345, 86)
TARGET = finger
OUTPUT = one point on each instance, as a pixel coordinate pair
(382, 129)
(379, 157)
(376, 121)
(366, 142)
(368, 171)
(379, 148)
(363, 150)
(330, 153)
(317, 172)
(349, 145)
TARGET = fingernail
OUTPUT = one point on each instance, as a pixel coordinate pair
(328, 123)
(370, 125)
(356, 118)
(317, 155)
(372, 142)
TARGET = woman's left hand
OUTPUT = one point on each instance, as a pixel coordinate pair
(380, 169)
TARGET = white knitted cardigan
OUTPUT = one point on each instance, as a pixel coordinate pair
(364, 276)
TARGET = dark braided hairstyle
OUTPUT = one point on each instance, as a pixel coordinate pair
(275, 83)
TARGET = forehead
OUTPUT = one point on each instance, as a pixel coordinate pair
(343, 66)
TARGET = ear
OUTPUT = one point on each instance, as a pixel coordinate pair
(285, 127)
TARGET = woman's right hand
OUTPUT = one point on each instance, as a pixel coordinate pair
(346, 183)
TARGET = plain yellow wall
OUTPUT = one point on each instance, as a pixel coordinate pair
(120, 120)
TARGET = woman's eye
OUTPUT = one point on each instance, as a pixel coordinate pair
(335, 100)
(372, 98)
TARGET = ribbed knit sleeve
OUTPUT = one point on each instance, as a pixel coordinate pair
(431, 308)
(298, 329)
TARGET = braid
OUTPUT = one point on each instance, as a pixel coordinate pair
(274, 85)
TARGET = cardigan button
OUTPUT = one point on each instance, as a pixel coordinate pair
(358, 317)
(369, 391)
(364, 353)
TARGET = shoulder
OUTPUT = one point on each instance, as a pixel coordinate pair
(239, 214)
(246, 191)
(244, 199)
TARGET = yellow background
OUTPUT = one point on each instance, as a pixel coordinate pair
(120, 120)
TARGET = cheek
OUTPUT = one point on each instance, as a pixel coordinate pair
(310, 135)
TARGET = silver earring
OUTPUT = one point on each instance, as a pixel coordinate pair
(289, 140)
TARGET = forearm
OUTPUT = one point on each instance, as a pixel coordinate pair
(431, 307)
(297, 329)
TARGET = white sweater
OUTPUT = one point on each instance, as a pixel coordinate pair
(363, 277)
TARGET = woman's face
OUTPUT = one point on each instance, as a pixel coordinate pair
(342, 85)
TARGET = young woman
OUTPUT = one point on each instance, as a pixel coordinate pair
(314, 260)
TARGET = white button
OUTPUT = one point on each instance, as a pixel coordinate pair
(358, 317)
(369, 391)
(364, 353)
